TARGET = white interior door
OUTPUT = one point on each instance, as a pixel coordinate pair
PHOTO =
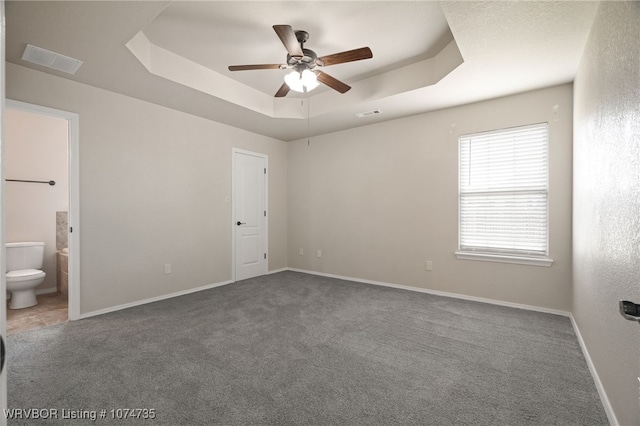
(250, 214)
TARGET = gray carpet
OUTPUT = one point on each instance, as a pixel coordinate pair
(297, 349)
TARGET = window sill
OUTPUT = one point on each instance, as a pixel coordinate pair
(534, 261)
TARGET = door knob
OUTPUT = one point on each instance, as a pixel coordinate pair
(630, 310)
(240, 223)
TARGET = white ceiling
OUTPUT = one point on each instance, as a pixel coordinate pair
(212, 34)
(426, 55)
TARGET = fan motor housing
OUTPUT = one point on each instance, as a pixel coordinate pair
(302, 36)
(309, 59)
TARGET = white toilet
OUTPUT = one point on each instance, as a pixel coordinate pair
(24, 263)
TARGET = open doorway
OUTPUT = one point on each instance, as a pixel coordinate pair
(41, 206)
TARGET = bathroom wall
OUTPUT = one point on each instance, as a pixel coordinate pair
(62, 254)
(62, 230)
(36, 149)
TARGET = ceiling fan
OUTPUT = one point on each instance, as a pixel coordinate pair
(304, 63)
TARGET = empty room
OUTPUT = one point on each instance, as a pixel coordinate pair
(319, 212)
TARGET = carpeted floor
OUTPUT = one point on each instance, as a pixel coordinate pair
(298, 349)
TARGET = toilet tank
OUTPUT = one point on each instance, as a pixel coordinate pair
(24, 255)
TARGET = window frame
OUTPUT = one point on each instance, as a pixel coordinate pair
(498, 255)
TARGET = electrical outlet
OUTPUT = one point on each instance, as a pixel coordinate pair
(428, 266)
(167, 268)
(319, 253)
(301, 251)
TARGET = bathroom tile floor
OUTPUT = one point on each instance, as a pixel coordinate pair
(51, 309)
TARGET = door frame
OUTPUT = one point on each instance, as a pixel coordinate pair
(265, 157)
(73, 121)
(3, 235)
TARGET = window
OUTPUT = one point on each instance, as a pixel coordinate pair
(503, 191)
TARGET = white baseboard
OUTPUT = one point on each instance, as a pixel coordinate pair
(163, 297)
(594, 373)
(440, 293)
(152, 299)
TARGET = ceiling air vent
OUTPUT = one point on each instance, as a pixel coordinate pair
(368, 113)
(51, 59)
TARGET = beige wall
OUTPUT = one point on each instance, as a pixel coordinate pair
(153, 183)
(36, 149)
(380, 200)
(606, 265)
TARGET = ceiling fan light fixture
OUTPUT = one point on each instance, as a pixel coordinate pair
(294, 81)
(301, 82)
(309, 79)
(303, 62)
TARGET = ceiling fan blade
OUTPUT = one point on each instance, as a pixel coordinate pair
(348, 56)
(256, 67)
(332, 82)
(282, 91)
(289, 39)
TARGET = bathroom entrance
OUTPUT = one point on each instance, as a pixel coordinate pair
(41, 193)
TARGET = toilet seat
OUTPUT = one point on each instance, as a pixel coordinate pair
(24, 275)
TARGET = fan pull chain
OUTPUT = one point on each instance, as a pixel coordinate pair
(308, 122)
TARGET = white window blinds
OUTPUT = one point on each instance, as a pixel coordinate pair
(504, 191)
